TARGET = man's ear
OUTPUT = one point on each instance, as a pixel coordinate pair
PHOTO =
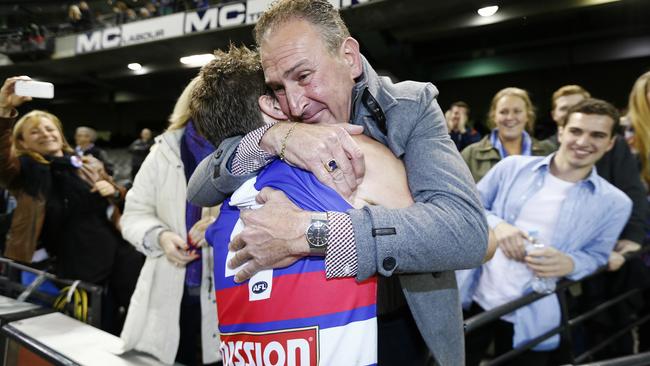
(560, 132)
(612, 142)
(352, 56)
(553, 117)
(271, 108)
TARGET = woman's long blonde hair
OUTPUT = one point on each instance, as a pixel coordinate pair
(181, 114)
(34, 117)
(639, 115)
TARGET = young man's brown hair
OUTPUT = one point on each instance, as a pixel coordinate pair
(597, 107)
(224, 102)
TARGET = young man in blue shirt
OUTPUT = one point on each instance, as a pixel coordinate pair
(577, 214)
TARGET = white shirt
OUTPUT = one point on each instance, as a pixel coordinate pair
(504, 280)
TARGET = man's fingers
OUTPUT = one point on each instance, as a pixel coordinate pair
(343, 176)
(543, 266)
(341, 183)
(536, 260)
(507, 250)
(354, 154)
(240, 257)
(236, 244)
(267, 194)
(615, 261)
(264, 195)
(323, 176)
(352, 129)
(514, 249)
(246, 272)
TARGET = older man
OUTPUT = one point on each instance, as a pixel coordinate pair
(318, 75)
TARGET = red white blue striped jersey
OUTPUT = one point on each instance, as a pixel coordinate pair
(294, 315)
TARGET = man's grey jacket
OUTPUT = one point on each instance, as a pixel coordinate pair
(443, 231)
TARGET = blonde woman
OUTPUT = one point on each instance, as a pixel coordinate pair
(173, 304)
(639, 117)
(512, 118)
(62, 202)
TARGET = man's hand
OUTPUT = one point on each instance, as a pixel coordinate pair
(615, 261)
(273, 236)
(549, 262)
(175, 249)
(197, 232)
(492, 246)
(104, 188)
(625, 246)
(8, 98)
(616, 258)
(312, 147)
(511, 241)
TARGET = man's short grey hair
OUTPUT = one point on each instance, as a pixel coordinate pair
(319, 13)
(90, 131)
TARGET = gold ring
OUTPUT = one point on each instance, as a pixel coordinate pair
(331, 166)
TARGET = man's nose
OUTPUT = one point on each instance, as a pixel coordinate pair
(296, 100)
(583, 140)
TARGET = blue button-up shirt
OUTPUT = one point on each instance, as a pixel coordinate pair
(589, 223)
(526, 143)
(591, 218)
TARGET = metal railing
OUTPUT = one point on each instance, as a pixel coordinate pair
(566, 324)
(31, 291)
(632, 360)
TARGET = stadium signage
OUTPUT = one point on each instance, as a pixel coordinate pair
(177, 25)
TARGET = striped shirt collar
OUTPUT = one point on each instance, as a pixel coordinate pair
(526, 143)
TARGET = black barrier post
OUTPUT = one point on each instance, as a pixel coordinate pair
(639, 359)
(602, 307)
(611, 339)
(524, 347)
(566, 323)
(95, 316)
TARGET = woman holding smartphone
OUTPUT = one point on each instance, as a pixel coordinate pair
(62, 201)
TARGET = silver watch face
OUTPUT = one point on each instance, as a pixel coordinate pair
(318, 234)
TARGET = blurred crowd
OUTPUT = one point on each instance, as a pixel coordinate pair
(83, 18)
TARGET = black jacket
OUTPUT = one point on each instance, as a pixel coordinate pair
(620, 168)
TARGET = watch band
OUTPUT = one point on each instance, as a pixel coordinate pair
(320, 216)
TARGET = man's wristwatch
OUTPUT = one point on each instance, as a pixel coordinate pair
(318, 233)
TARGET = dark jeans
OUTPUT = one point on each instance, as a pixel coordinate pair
(399, 340)
(501, 332)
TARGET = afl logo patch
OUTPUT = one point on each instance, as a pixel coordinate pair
(259, 287)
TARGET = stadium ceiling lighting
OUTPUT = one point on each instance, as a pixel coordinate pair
(197, 60)
(134, 66)
(488, 11)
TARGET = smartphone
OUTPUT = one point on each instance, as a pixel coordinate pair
(35, 89)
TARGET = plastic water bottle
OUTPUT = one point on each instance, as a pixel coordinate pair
(542, 285)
